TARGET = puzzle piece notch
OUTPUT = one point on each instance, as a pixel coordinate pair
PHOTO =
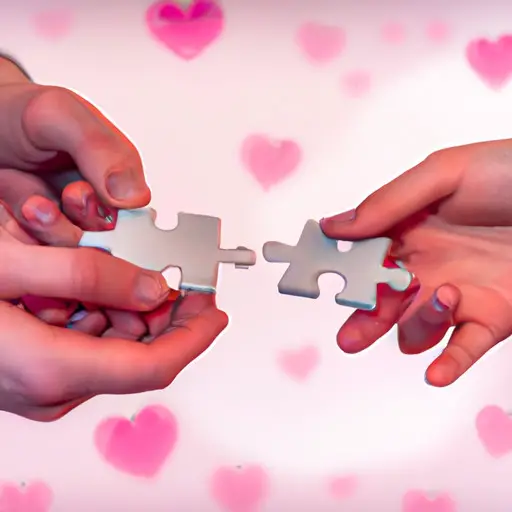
(315, 254)
(193, 246)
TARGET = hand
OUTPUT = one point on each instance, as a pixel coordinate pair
(46, 133)
(450, 219)
(46, 370)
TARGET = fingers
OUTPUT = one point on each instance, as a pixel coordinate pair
(364, 328)
(58, 120)
(430, 181)
(427, 320)
(81, 205)
(116, 366)
(11, 71)
(51, 311)
(93, 323)
(469, 342)
(84, 275)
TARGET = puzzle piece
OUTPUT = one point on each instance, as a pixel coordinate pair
(193, 246)
(315, 254)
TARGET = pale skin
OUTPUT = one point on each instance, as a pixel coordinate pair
(450, 218)
(46, 370)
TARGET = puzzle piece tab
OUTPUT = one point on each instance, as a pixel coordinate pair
(315, 254)
(193, 246)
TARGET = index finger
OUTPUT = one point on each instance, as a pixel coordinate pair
(37, 123)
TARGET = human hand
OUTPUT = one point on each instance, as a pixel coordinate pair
(47, 133)
(47, 370)
(450, 218)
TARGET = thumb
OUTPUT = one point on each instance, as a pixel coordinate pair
(434, 179)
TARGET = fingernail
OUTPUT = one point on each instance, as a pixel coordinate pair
(151, 288)
(105, 214)
(124, 185)
(79, 315)
(347, 216)
(42, 213)
(443, 300)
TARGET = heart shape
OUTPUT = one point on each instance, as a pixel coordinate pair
(343, 487)
(239, 489)
(417, 501)
(357, 83)
(393, 33)
(494, 428)
(140, 446)
(298, 364)
(491, 60)
(53, 25)
(186, 31)
(35, 497)
(270, 161)
(321, 43)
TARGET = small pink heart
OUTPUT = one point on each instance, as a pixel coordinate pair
(417, 501)
(140, 446)
(393, 33)
(437, 31)
(494, 428)
(321, 43)
(343, 487)
(270, 161)
(185, 31)
(35, 497)
(239, 490)
(298, 364)
(357, 83)
(53, 25)
(491, 60)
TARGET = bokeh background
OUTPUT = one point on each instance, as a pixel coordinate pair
(268, 113)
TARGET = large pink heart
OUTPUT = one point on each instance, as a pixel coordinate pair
(492, 60)
(239, 489)
(321, 43)
(185, 31)
(299, 363)
(35, 497)
(343, 487)
(53, 24)
(417, 501)
(494, 427)
(140, 446)
(270, 161)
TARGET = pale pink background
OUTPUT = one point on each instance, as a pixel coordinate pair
(370, 415)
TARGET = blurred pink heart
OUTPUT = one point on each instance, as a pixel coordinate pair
(239, 490)
(270, 161)
(35, 497)
(186, 31)
(494, 428)
(393, 33)
(53, 24)
(321, 43)
(357, 83)
(417, 501)
(343, 487)
(437, 31)
(298, 364)
(491, 60)
(141, 446)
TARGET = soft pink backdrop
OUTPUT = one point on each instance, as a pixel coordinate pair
(266, 114)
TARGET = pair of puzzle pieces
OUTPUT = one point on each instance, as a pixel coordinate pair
(194, 247)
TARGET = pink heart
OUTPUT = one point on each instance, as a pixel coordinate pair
(494, 429)
(140, 446)
(270, 161)
(357, 83)
(185, 31)
(343, 487)
(491, 60)
(239, 490)
(298, 364)
(35, 497)
(321, 43)
(417, 501)
(437, 31)
(53, 25)
(393, 33)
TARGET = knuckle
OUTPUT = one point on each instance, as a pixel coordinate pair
(49, 99)
(85, 270)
